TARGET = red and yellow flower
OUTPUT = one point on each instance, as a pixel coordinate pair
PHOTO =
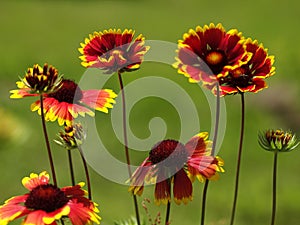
(46, 204)
(38, 80)
(69, 101)
(170, 162)
(249, 77)
(210, 52)
(113, 50)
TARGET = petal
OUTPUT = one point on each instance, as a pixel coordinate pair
(139, 177)
(99, 100)
(183, 188)
(13, 209)
(35, 180)
(81, 215)
(162, 192)
(198, 145)
(49, 218)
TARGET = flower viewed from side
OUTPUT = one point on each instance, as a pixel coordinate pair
(69, 101)
(113, 50)
(210, 52)
(249, 77)
(72, 136)
(37, 81)
(278, 140)
(46, 204)
(170, 162)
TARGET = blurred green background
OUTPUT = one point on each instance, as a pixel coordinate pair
(50, 31)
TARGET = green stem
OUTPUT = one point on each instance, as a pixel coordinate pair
(71, 167)
(47, 141)
(274, 187)
(213, 152)
(238, 159)
(87, 175)
(126, 144)
(168, 213)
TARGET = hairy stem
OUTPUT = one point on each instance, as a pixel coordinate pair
(87, 175)
(274, 188)
(126, 143)
(238, 159)
(168, 213)
(47, 141)
(213, 152)
(71, 167)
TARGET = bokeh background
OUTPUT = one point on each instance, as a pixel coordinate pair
(50, 31)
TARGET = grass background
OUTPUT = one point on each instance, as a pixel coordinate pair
(50, 31)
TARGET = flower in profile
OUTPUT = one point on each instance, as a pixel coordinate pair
(46, 203)
(37, 81)
(69, 101)
(113, 50)
(249, 77)
(170, 162)
(278, 140)
(210, 52)
(72, 136)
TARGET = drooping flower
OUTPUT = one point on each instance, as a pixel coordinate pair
(249, 77)
(37, 81)
(278, 140)
(210, 52)
(170, 162)
(113, 50)
(46, 204)
(69, 101)
(72, 136)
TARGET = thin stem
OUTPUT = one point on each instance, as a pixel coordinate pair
(87, 175)
(71, 167)
(47, 141)
(213, 152)
(126, 144)
(168, 213)
(274, 187)
(238, 159)
(204, 202)
(124, 123)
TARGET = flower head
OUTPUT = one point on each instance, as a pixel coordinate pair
(249, 77)
(171, 162)
(278, 140)
(113, 50)
(70, 101)
(45, 204)
(37, 81)
(72, 136)
(209, 52)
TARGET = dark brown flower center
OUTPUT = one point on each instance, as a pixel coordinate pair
(216, 60)
(172, 151)
(237, 78)
(46, 197)
(67, 92)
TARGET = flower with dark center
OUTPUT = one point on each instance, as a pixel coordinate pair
(37, 81)
(70, 101)
(113, 50)
(251, 76)
(278, 140)
(46, 197)
(46, 204)
(170, 162)
(209, 52)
